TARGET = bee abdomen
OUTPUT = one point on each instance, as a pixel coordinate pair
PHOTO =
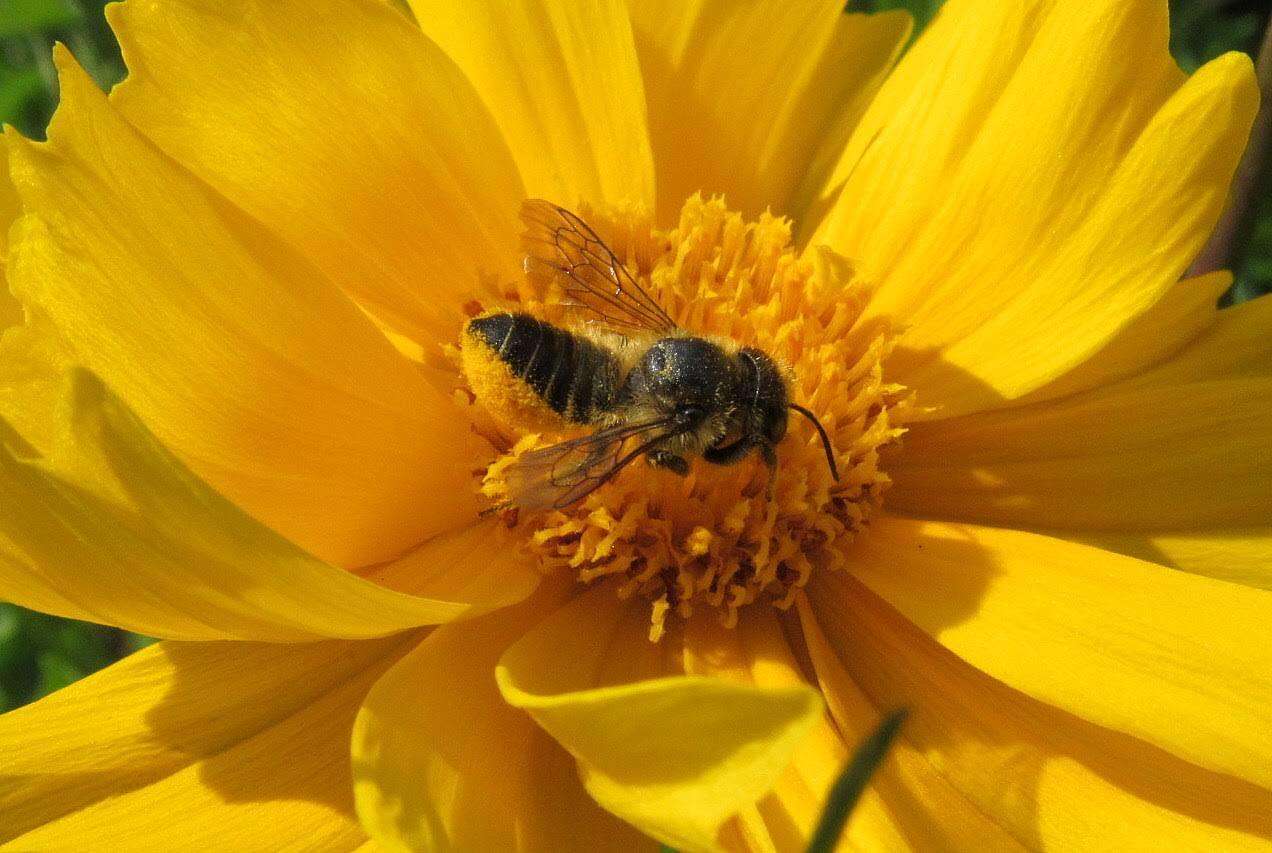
(576, 378)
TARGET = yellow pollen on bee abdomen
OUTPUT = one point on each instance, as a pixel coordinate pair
(502, 393)
(724, 537)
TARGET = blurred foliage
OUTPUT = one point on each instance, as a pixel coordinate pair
(28, 29)
(20, 17)
(41, 653)
(921, 10)
(1203, 29)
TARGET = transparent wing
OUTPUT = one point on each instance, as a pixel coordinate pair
(565, 473)
(561, 247)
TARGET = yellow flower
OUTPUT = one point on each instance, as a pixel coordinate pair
(232, 418)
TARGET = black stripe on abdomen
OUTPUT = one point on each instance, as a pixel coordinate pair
(572, 375)
(596, 379)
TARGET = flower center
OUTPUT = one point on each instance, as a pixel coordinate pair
(728, 536)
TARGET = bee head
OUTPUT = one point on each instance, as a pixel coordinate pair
(764, 395)
(765, 411)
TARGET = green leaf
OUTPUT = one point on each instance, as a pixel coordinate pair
(25, 17)
(852, 782)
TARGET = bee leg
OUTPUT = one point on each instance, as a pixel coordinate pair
(729, 453)
(769, 455)
(669, 461)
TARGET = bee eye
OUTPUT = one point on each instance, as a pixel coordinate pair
(690, 414)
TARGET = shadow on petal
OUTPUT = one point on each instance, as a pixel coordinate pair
(1046, 776)
(161, 746)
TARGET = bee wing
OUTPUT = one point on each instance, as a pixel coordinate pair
(560, 246)
(565, 473)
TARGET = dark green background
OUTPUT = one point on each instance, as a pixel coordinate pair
(38, 653)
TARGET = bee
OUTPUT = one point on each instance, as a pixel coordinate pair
(644, 386)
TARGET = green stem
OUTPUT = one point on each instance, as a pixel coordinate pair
(850, 785)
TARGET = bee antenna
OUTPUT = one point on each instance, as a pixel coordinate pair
(821, 430)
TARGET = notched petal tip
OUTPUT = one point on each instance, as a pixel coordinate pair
(332, 437)
(1105, 169)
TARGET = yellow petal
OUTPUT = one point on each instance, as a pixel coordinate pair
(481, 565)
(999, 462)
(1049, 778)
(563, 84)
(1174, 659)
(10, 307)
(31, 357)
(934, 814)
(1183, 314)
(742, 100)
(1236, 345)
(345, 131)
(1026, 184)
(1161, 203)
(674, 755)
(193, 745)
(757, 653)
(9, 205)
(1119, 459)
(240, 356)
(112, 528)
(33, 361)
(441, 762)
(1238, 554)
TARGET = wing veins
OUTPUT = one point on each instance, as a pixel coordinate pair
(587, 269)
(566, 472)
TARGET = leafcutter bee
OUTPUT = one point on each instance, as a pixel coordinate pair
(643, 385)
